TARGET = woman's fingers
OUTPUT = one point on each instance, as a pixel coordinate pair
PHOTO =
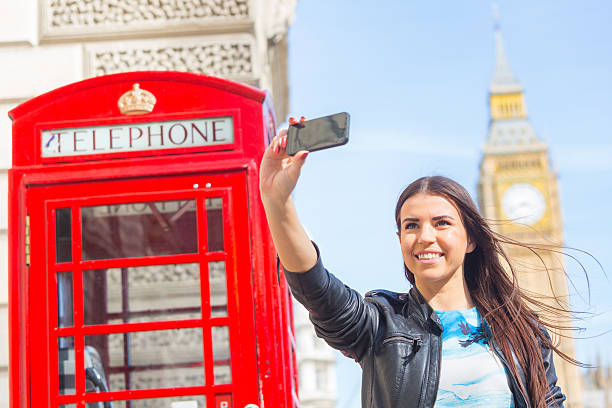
(279, 142)
(296, 122)
(301, 156)
(276, 158)
(274, 148)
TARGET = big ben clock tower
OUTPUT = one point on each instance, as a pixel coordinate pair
(518, 190)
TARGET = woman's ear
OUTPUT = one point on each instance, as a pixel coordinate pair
(471, 246)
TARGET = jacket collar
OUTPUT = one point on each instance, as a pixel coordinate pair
(426, 312)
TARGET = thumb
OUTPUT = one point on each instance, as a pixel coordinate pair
(297, 163)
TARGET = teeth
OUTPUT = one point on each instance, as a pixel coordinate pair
(429, 255)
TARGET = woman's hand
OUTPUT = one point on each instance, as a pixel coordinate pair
(279, 172)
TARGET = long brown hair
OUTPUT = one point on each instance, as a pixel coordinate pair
(515, 327)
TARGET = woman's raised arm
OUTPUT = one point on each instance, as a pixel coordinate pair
(278, 176)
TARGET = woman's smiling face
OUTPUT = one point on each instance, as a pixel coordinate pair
(433, 239)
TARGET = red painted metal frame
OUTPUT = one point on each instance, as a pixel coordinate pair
(232, 189)
(261, 306)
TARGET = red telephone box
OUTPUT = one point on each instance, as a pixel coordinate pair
(142, 273)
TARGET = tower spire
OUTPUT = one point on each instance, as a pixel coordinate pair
(509, 129)
(503, 79)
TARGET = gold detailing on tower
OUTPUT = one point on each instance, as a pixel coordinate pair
(507, 106)
(136, 102)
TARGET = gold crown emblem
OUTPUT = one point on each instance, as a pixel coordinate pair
(136, 102)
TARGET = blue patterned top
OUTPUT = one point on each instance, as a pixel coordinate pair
(471, 375)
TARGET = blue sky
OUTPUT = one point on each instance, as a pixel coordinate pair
(414, 77)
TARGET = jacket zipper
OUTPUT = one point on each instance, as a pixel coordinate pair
(439, 365)
(416, 342)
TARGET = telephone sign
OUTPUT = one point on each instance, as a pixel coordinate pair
(171, 134)
(142, 270)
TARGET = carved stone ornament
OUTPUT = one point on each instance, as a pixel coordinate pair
(280, 17)
(136, 102)
(82, 18)
(230, 59)
(107, 12)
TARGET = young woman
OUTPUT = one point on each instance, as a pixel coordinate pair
(462, 336)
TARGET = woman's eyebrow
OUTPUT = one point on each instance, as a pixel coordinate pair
(440, 217)
(436, 218)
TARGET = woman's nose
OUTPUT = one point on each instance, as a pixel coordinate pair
(427, 234)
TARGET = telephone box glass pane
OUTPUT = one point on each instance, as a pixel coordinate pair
(218, 288)
(214, 220)
(139, 229)
(192, 401)
(64, 300)
(142, 293)
(65, 362)
(63, 235)
(221, 355)
(151, 359)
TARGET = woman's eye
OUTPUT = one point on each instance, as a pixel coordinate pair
(410, 225)
(442, 223)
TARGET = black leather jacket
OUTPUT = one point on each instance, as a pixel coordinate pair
(396, 338)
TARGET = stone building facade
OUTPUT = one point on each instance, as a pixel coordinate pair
(598, 386)
(316, 364)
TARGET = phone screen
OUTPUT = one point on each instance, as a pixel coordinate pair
(316, 134)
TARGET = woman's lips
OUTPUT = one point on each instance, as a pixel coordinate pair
(429, 257)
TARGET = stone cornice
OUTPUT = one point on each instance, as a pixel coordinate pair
(86, 20)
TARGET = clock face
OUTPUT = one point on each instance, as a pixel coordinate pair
(523, 203)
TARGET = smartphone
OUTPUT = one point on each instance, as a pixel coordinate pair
(317, 134)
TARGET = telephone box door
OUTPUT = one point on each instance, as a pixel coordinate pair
(145, 307)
